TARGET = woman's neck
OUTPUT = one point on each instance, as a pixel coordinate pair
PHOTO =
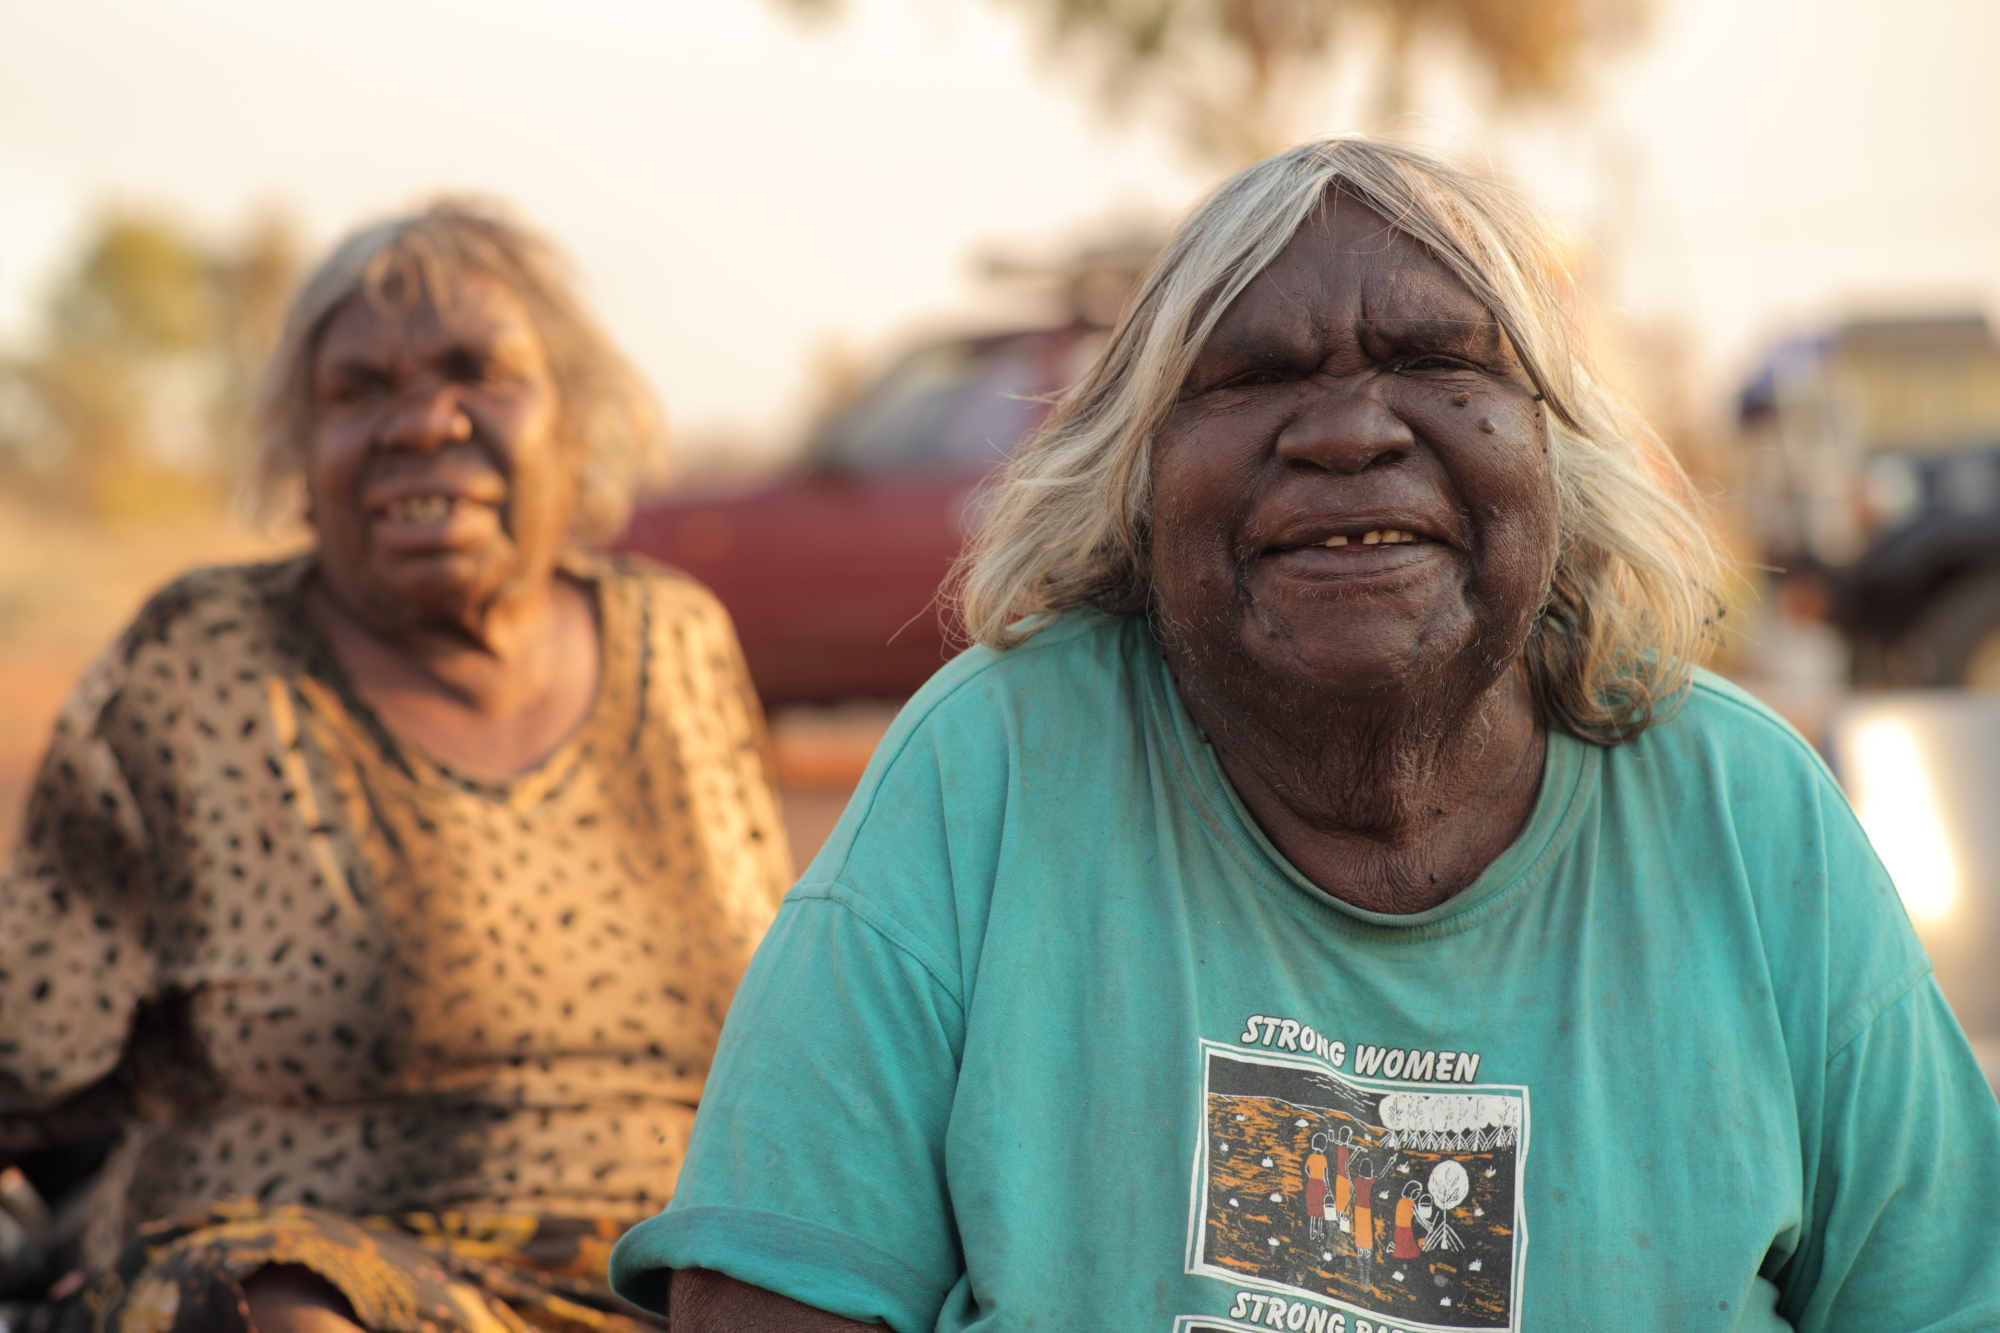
(491, 692)
(1393, 804)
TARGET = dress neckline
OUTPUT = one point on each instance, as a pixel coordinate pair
(617, 649)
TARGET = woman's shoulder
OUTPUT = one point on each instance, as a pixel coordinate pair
(1724, 702)
(1077, 670)
(1717, 720)
(1719, 745)
(1078, 675)
(1726, 783)
(662, 589)
(181, 657)
(1075, 654)
(210, 613)
(199, 593)
(1051, 720)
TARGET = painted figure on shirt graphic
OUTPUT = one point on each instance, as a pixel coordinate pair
(1343, 1182)
(1364, 1217)
(1316, 1188)
(1406, 1207)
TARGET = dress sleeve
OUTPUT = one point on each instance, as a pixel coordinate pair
(73, 957)
(817, 1168)
(1908, 1172)
(710, 706)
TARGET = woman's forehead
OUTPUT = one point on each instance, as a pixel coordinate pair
(1348, 271)
(472, 307)
(1345, 246)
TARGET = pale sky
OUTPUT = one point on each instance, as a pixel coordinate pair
(739, 191)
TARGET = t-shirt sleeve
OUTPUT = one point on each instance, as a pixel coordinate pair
(817, 1167)
(1908, 1172)
(1899, 1130)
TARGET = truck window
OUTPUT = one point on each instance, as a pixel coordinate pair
(951, 405)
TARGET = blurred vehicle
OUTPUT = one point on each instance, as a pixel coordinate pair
(832, 573)
(1874, 481)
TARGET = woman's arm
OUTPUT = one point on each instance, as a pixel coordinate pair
(74, 961)
(1902, 1182)
(706, 1302)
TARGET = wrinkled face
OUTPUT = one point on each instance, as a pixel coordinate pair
(436, 474)
(1352, 492)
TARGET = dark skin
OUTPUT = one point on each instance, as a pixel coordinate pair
(709, 1302)
(441, 491)
(1365, 698)
(291, 1298)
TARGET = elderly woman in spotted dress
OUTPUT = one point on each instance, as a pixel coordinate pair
(378, 909)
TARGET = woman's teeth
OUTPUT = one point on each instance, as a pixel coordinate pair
(418, 509)
(1379, 537)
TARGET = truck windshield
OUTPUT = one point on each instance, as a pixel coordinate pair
(946, 406)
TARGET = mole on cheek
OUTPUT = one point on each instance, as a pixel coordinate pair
(1486, 427)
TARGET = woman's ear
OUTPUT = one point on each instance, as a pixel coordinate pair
(301, 478)
(581, 500)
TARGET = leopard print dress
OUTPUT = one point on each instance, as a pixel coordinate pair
(299, 962)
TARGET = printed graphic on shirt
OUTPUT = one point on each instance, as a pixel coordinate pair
(1340, 1203)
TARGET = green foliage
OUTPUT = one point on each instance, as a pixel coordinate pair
(138, 395)
(142, 288)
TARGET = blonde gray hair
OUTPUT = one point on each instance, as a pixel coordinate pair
(1635, 594)
(608, 417)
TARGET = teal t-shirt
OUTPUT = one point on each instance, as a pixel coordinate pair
(1050, 1037)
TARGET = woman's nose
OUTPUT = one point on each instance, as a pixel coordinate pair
(425, 418)
(1345, 427)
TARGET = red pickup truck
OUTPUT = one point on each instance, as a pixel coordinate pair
(832, 572)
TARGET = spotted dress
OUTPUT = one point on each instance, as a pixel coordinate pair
(306, 970)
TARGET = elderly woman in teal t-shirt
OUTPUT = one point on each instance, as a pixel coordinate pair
(1334, 765)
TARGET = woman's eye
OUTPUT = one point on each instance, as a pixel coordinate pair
(1254, 379)
(360, 389)
(473, 368)
(1418, 364)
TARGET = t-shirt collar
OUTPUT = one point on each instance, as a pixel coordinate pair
(1569, 775)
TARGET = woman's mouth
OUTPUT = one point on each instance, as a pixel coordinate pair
(419, 509)
(1374, 537)
(1357, 552)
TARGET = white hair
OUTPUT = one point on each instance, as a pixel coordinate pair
(607, 413)
(1636, 590)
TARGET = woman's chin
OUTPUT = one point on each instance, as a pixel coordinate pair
(1373, 661)
(1355, 677)
(436, 586)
